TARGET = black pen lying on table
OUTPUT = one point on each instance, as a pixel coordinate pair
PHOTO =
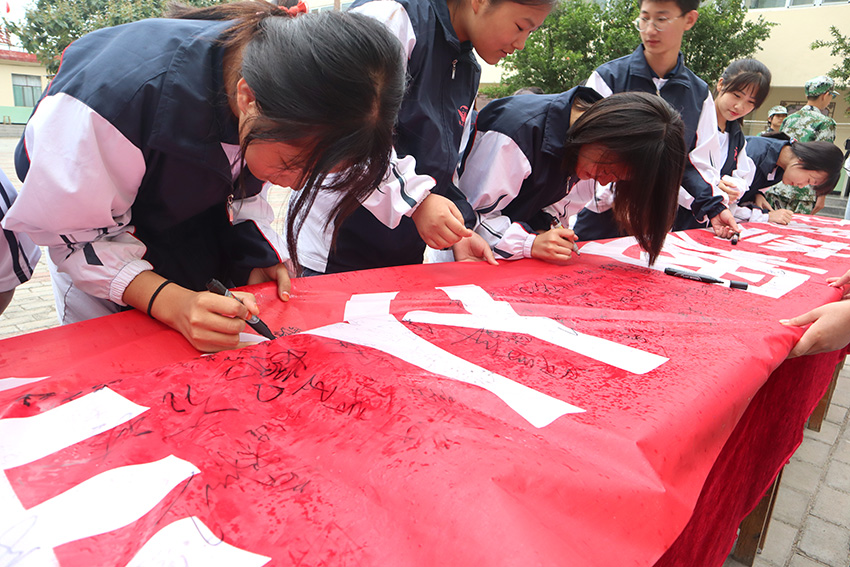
(734, 284)
(217, 287)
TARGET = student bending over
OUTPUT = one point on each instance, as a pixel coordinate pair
(799, 164)
(527, 156)
(144, 160)
(419, 203)
(741, 89)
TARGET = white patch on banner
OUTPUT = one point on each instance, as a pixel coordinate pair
(762, 238)
(9, 383)
(387, 334)
(101, 504)
(26, 439)
(368, 305)
(11, 507)
(189, 543)
(485, 313)
(774, 275)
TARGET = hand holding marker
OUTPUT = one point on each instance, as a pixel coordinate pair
(730, 186)
(217, 287)
(557, 224)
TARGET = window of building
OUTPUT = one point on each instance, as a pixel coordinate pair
(26, 88)
(756, 4)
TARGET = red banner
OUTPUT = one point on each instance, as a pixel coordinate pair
(451, 414)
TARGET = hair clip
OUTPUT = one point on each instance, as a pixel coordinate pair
(300, 8)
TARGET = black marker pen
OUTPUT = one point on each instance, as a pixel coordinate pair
(703, 278)
(217, 287)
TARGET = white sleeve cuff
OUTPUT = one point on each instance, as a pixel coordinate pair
(526, 246)
(127, 274)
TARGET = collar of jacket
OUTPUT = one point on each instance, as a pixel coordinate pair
(195, 81)
(441, 9)
(639, 67)
(558, 119)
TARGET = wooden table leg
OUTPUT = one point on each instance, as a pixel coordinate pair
(817, 417)
(753, 529)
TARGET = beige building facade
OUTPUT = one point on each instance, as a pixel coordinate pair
(792, 62)
(22, 79)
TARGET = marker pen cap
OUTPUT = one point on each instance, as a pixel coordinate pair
(738, 285)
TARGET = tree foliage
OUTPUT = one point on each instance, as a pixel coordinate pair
(580, 35)
(839, 46)
(720, 36)
(50, 26)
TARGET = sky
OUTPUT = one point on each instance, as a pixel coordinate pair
(17, 9)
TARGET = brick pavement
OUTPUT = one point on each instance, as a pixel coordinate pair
(811, 519)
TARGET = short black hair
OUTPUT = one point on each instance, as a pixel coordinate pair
(820, 156)
(684, 5)
(644, 133)
(745, 73)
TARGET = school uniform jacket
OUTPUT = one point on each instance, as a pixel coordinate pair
(764, 152)
(733, 161)
(513, 168)
(434, 119)
(18, 253)
(129, 161)
(688, 94)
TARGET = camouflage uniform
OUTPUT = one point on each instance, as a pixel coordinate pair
(778, 109)
(806, 125)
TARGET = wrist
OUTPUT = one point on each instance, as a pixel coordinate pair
(155, 294)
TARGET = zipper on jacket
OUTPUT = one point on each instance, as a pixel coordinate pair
(230, 214)
(454, 68)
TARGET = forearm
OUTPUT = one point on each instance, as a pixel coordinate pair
(140, 292)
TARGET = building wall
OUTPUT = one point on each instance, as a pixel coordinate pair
(787, 51)
(8, 111)
(792, 62)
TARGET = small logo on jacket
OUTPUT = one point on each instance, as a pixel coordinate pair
(462, 112)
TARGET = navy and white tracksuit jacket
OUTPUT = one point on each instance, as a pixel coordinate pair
(129, 161)
(733, 161)
(434, 119)
(689, 95)
(513, 169)
(764, 153)
(18, 253)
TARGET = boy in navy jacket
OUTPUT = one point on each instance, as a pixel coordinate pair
(657, 66)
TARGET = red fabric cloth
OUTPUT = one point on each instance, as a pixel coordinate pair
(317, 450)
(768, 433)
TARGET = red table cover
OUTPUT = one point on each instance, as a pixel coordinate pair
(451, 414)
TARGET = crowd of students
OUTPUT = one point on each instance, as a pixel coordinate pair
(145, 161)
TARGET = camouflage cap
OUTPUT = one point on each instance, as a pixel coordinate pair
(820, 85)
(778, 109)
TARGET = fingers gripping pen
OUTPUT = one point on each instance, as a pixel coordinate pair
(217, 287)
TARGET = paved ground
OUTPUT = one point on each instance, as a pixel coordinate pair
(811, 520)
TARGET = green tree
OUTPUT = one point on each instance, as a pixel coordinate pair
(51, 25)
(720, 36)
(580, 35)
(839, 46)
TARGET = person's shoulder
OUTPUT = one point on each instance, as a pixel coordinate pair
(688, 75)
(513, 114)
(618, 64)
(794, 119)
